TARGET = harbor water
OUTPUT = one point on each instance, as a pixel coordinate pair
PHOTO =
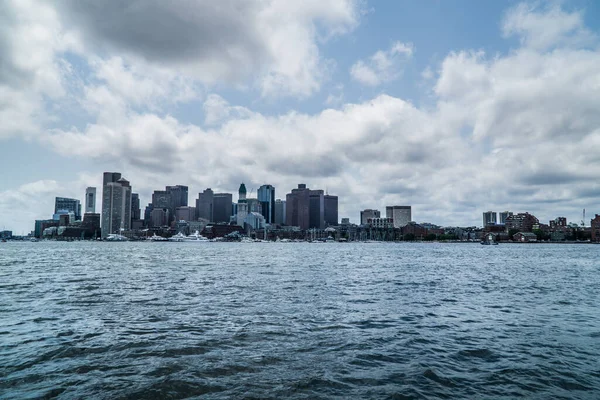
(299, 320)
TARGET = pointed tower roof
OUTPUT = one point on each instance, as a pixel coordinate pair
(242, 189)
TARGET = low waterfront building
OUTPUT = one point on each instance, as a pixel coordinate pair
(595, 226)
(525, 237)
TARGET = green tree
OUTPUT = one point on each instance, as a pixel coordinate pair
(409, 237)
(430, 237)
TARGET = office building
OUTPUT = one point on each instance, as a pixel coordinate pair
(179, 196)
(159, 217)
(316, 209)
(185, 213)
(401, 215)
(367, 214)
(522, 222)
(68, 205)
(489, 218)
(242, 206)
(331, 210)
(116, 204)
(297, 207)
(135, 207)
(90, 200)
(280, 212)
(504, 215)
(205, 204)
(266, 196)
(222, 207)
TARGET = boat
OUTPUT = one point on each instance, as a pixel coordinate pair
(196, 237)
(156, 238)
(180, 237)
(488, 240)
(115, 237)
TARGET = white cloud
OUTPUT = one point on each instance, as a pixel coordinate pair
(383, 66)
(512, 131)
(542, 28)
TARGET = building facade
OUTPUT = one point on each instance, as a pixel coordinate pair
(489, 217)
(297, 207)
(402, 215)
(316, 209)
(69, 205)
(116, 204)
(90, 200)
(280, 208)
(222, 207)
(367, 214)
(331, 210)
(384, 223)
(522, 222)
(205, 204)
(504, 215)
(595, 224)
(266, 196)
(135, 207)
(185, 213)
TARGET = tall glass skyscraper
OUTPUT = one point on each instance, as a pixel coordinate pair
(266, 196)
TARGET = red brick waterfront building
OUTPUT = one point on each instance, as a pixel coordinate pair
(595, 223)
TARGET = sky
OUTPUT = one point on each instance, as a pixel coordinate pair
(454, 108)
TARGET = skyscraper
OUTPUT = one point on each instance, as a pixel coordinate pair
(266, 196)
(222, 207)
(489, 217)
(205, 205)
(280, 208)
(316, 209)
(331, 210)
(401, 215)
(90, 200)
(297, 207)
(116, 203)
(504, 215)
(135, 207)
(69, 205)
(179, 196)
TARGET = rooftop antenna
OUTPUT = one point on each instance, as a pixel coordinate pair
(583, 219)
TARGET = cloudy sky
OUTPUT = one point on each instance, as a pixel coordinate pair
(453, 107)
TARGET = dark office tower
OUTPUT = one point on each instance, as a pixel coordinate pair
(317, 209)
(331, 210)
(116, 204)
(222, 207)
(266, 196)
(109, 177)
(205, 205)
(179, 195)
(135, 207)
(147, 214)
(297, 207)
(71, 205)
(161, 199)
(280, 207)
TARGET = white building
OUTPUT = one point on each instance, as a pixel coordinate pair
(401, 215)
(255, 220)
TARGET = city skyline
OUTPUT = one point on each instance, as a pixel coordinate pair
(454, 108)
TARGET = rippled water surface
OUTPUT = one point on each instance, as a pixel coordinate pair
(299, 320)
